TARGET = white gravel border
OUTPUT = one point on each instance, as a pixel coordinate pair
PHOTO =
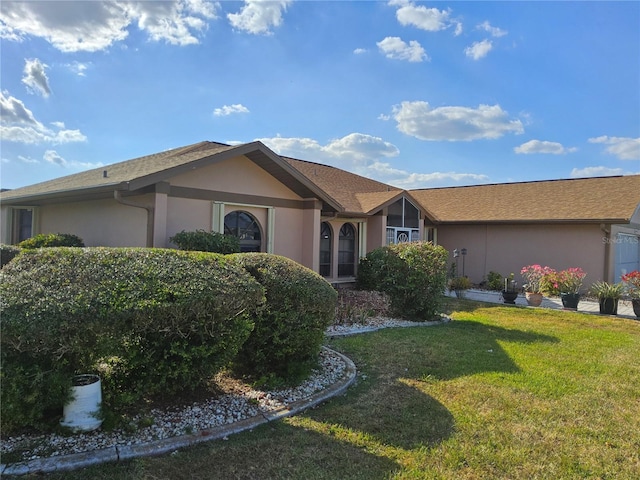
(203, 421)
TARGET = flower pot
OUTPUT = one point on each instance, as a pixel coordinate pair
(461, 293)
(635, 303)
(608, 306)
(82, 412)
(533, 299)
(570, 300)
(509, 297)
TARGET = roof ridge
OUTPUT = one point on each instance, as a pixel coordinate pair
(552, 180)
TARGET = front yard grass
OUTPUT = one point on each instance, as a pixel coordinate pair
(500, 392)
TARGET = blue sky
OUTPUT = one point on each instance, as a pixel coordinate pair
(415, 94)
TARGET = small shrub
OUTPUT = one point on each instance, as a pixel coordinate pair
(52, 240)
(495, 281)
(149, 321)
(459, 283)
(7, 253)
(355, 306)
(289, 331)
(413, 274)
(202, 241)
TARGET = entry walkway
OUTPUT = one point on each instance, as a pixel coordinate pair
(625, 309)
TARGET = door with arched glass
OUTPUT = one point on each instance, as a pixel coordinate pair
(347, 251)
(246, 228)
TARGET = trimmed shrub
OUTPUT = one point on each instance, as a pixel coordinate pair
(7, 253)
(52, 240)
(289, 332)
(414, 275)
(202, 241)
(149, 321)
(495, 281)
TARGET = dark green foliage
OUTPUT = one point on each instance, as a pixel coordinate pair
(413, 274)
(289, 332)
(7, 253)
(202, 241)
(495, 281)
(149, 321)
(52, 240)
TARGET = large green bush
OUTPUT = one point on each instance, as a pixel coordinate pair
(52, 240)
(149, 321)
(7, 253)
(202, 241)
(414, 275)
(289, 332)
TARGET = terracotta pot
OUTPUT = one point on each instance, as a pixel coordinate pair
(533, 299)
(570, 300)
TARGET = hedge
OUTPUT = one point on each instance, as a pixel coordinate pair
(7, 253)
(52, 240)
(414, 275)
(149, 321)
(289, 332)
(202, 241)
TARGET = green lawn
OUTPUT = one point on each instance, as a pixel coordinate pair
(500, 392)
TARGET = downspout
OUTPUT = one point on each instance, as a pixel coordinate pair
(606, 240)
(150, 214)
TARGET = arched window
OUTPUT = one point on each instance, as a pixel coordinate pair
(347, 251)
(326, 240)
(244, 226)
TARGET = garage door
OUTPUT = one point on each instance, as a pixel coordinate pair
(627, 254)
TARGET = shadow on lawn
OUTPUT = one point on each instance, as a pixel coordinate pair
(392, 405)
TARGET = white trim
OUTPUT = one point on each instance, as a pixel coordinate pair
(271, 227)
(217, 221)
(362, 239)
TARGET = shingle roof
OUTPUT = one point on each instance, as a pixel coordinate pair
(601, 199)
(119, 173)
(358, 195)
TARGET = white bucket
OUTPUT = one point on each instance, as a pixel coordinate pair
(82, 413)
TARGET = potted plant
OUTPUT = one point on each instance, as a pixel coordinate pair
(510, 291)
(608, 296)
(631, 282)
(569, 282)
(459, 285)
(533, 276)
(82, 412)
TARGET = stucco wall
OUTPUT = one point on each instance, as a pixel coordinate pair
(507, 248)
(98, 223)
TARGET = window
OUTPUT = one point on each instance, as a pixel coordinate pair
(403, 220)
(244, 226)
(326, 240)
(347, 251)
(22, 224)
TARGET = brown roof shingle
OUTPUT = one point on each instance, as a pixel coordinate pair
(601, 199)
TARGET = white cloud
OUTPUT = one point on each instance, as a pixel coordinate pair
(396, 48)
(424, 18)
(95, 26)
(51, 156)
(454, 123)
(403, 179)
(624, 148)
(258, 16)
(78, 68)
(359, 51)
(230, 109)
(24, 159)
(35, 77)
(595, 172)
(543, 146)
(479, 50)
(19, 125)
(355, 147)
(494, 31)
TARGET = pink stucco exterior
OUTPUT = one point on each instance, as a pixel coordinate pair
(507, 248)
